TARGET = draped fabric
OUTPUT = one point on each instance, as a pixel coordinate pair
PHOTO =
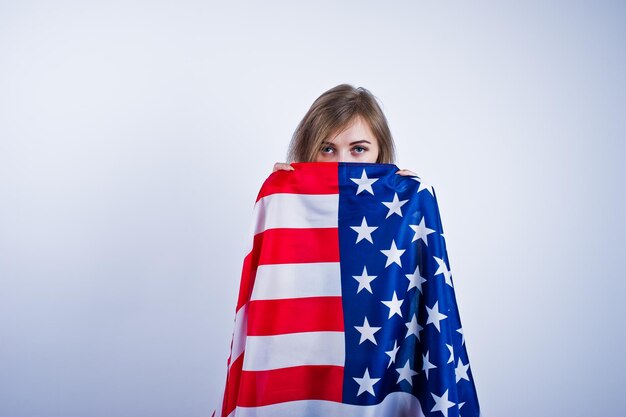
(346, 304)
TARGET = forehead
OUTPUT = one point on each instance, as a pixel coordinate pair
(356, 129)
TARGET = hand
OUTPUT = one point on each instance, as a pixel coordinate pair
(406, 173)
(282, 166)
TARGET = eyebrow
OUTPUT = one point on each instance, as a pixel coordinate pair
(351, 143)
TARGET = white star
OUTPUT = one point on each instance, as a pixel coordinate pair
(392, 353)
(366, 383)
(434, 316)
(421, 231)
(364, 231)
(394, 305)
(460, 330)
(393, 254)
(367, 332)
(451, 358)
(415, 280)
(424, 186)
(461, 371)
(364, 183)
(394, 206)
(406, 373)
(427, 366)
(442, 404)
(413, 329)
(443, 269)
(364, 280)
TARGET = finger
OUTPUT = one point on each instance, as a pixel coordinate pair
(282, 167)
(406, 173)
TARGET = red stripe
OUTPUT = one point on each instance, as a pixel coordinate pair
(294, 315)
(233, 380)
(308, 178)
(318, 382)
(282, 246)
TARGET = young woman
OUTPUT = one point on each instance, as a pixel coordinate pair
(298, 334)
(344, 124)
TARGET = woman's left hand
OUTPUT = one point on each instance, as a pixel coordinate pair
(406, 173)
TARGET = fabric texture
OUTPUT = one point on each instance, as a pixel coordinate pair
(346, 304)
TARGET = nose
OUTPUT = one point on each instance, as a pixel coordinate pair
(344, 156)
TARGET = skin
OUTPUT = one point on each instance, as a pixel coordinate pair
(356, 143)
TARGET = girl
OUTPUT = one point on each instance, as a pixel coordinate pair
(293, 346)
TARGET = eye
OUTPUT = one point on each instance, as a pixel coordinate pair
(327, 149)
(359, 149)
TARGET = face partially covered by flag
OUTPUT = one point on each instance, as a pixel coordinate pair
(346, 304)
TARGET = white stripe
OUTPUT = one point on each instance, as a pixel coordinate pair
(294, 349)
(279, 281)
(296, 211)
(397, 404)
(239, 335)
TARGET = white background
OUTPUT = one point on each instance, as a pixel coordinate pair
(134, 137)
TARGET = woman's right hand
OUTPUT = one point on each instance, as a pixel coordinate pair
(282, 166)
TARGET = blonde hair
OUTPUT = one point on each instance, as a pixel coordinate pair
(332, 112)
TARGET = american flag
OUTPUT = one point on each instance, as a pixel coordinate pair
(346, 304)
